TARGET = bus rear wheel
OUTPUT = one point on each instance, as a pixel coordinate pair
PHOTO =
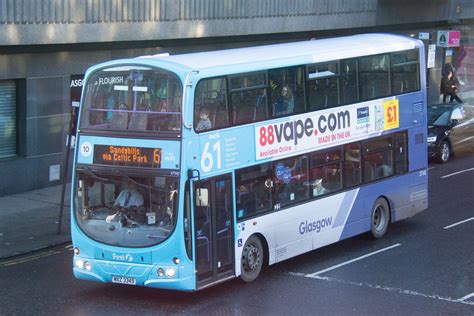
(251, 262)
(380, 218)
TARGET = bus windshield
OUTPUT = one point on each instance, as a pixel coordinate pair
(128, 211)
(133, 98)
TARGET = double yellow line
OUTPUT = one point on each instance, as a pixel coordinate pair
(34, 257)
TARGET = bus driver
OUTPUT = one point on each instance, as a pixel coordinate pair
(129, 197)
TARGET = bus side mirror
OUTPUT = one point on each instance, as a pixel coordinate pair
(202, 197)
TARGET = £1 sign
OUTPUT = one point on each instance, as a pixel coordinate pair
(391, 114)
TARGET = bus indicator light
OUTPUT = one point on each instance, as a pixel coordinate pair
(87, 266)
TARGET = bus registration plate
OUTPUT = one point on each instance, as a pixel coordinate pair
(124, 280)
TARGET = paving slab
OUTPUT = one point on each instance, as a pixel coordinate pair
(29, 221)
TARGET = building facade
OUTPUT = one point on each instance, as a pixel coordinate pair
(46, 46)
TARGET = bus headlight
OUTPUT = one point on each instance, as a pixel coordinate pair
(431, 139)
(79, 263)
(170, 272)
(76, 251)
(176, 260)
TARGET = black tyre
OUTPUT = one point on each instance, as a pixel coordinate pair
(444, 152)
(380, 218)
(251, 262)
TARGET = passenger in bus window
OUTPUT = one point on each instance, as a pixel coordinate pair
(204, 121)
(352, 153)
(383, 164)
(384, 171)
(333, 177)
(318, 188)
(380, 163)
(285, 103)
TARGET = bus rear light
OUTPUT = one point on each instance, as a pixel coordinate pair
(76, 251)
(161, 272)
(176, 260)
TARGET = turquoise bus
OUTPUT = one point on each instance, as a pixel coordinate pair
(197, 168)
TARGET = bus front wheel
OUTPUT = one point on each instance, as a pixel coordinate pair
(380, 218)
(251, 260)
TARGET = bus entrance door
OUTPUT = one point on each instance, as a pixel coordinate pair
(214, 231)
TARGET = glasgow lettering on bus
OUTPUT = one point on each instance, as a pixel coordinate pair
(315, 226)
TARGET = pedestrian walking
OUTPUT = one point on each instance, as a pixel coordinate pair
(448, 87)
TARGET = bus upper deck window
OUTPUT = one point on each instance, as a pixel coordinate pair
(133, 98)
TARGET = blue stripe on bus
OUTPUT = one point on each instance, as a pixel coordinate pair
(345, 208)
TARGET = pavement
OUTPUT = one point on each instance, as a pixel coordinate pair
(29, 221)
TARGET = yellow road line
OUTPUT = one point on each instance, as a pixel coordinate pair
(29, 258)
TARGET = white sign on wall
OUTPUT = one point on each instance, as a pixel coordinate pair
(431, 56)
(424, 35)
(54, 172)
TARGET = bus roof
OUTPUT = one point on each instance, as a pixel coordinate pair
(315, 50)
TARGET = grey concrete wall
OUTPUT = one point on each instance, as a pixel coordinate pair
(43, 117)
(409, 11)
(26, 22)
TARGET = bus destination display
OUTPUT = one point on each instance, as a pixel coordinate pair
(127, 156)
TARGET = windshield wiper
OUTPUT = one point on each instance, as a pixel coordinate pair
(93, 174)
(125, 175)
(154, 236)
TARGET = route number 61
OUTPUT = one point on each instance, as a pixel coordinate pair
(207, 157)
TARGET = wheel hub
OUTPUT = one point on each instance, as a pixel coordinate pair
(378, 219)
(445, 152)
(252, 257)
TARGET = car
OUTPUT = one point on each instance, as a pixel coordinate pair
(450, 129)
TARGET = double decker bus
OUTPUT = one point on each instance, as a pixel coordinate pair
(197, 168)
